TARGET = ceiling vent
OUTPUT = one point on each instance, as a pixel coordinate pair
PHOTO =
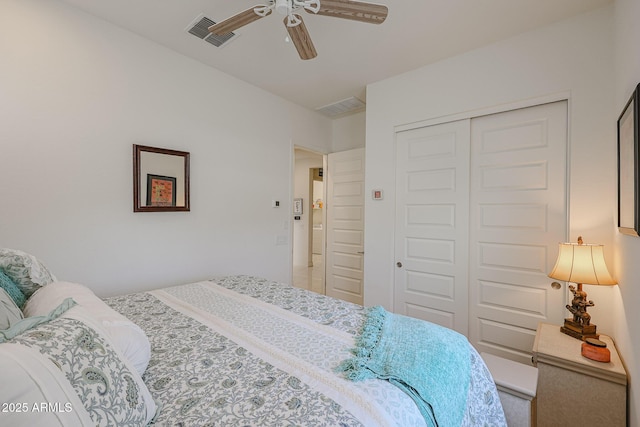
(342, 108)
(200, 28)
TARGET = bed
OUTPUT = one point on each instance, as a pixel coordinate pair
(230, 351)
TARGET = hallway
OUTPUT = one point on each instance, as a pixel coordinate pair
(310, 278)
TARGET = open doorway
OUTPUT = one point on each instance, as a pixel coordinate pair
(309, 220)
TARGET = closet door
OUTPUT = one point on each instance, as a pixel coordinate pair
(481, 205)
(432, 224)
(518, 216)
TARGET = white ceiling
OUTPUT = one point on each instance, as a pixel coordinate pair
(350, 54)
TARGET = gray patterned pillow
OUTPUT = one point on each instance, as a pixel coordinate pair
(25, 270)
(110, 390)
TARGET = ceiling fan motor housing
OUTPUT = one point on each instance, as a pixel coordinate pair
(283, 7)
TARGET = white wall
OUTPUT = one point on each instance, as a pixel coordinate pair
(75, 94)
(576, 57)
(571, 57)
(625, 312)
(349, 132)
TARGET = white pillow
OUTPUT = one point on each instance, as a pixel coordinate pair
(9, 311)
(126, 336)
(50, 364)
(31, 379)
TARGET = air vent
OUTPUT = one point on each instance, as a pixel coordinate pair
(344, 107)
(200, 28)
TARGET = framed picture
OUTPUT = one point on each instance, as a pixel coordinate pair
(628, 174)
(297, 206)
(166, 175)
(161, 190)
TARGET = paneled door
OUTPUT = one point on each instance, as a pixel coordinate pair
(432, 224)
(518, 217)
(480, 209)
(345, 225)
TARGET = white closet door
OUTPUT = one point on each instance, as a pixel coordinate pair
(518, 216)
(480, 209)
(432, 224)
(345, 225)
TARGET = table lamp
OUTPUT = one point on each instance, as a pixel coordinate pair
(582, 264)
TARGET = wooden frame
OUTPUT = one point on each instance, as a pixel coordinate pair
(628, 163)
(160, 164)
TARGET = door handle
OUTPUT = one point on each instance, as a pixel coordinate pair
(399, 264)
(556, 285)
(361, 252)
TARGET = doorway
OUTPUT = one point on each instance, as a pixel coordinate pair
(309, 220)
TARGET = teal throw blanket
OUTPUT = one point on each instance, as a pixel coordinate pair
(428, 362)
(31, 322)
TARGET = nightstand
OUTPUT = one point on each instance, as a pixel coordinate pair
(574, 390)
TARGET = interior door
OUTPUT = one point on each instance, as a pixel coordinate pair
(345, 225)
(432, 224)
(518, 216)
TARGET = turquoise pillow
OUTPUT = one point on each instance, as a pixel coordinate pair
(12, 289)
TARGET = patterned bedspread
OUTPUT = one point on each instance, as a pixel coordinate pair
(243, 351)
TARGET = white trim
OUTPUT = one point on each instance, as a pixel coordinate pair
(485, 111)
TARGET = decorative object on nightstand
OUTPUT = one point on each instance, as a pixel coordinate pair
(582, 264)
(595, 349)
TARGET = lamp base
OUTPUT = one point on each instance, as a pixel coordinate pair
(578, 330)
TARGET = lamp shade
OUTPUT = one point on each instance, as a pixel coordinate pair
(582, 263)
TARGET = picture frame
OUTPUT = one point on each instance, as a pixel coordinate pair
(161, 191)
(297, 206)
(628, 163)
(161, 162)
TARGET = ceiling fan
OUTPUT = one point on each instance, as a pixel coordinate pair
(290, 9)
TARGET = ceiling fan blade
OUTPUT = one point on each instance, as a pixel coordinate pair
(236, 21)
(354, 10)
(301, 39)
